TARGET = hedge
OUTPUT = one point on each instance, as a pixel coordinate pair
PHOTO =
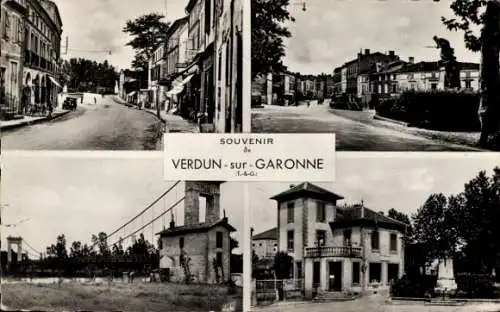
(476, 285)
(414, 286)
(438, 110)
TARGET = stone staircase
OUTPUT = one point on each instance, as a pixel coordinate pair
(329, 296)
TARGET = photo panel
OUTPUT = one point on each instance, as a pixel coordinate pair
(383, 75)
(388, 222)
(135, 73)
(111, 234)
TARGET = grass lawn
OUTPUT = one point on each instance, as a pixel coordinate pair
(119, 297)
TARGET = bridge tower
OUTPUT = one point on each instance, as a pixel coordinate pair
(14, 241)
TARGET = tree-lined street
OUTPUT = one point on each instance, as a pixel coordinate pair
(106, 125)
(351, 135)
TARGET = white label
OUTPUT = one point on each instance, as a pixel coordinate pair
(250, 157)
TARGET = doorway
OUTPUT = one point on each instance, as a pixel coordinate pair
(316, 274)
(335, 276)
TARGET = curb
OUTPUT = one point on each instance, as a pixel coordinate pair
(33, 122)
(402, 123)
(437, 302)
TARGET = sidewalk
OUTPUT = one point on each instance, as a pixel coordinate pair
(29, 120)
(175, 123)
(369, 117)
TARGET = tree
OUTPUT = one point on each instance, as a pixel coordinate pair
(434, 228)
(101, 241)
(76, 250)
(468, 13)
(148, 33)
(59, 249)
(268, 33)
(480, 221)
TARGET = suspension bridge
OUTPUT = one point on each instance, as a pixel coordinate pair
(112, 252)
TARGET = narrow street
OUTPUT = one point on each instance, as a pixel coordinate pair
(104, 126)
(376, 305)
(352, 135)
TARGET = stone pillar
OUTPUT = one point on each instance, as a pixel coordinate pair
(9, 252)
(308, 278)
(383, 272)
(191, 204)
(213, 208)
(324, 275)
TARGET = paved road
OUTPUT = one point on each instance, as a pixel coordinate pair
(376, 305)
(351, 135)
(104, 126)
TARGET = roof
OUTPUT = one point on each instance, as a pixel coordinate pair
(307, 189)
(176, 25)
(271, 234)
(359, 215)
(202, 227)
(435, 66)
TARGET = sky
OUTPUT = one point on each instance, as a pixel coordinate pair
(332, 32)
(96, 25)
(83, 196)
(383, 181)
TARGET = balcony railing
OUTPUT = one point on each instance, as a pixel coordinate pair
(334, 251)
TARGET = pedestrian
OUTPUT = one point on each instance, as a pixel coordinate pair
(49, 107)
(95, 100)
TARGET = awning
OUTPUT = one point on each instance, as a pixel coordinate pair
(176, 90)
(54, 82)
(186, 80)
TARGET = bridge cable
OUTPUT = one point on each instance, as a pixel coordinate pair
(140, 213)
(158, 217)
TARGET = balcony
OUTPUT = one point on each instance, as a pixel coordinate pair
(17, 5)
(334, 251)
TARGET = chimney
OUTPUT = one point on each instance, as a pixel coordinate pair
(362, 209)
(391, 53)
(367, 51)
(411, 60)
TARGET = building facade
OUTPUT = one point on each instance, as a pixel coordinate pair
(42, 54)
(228, 19)
(265, 244)
(12, 38)
(337, 248)
(199, 250)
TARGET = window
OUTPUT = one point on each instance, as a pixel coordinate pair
(434, 86)
(375, 241)
(202, 209)
(218, 240)
(356, 274)
(181, 242)
(290, 212)
(375, 272)
(320, 212)
(208, 16)
(394, 88)
(394, 242)
(320, 237)
(347, 237)
(468, 84)
(290, 243)
(7, 26)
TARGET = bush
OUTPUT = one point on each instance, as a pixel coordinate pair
(413, 287)
(439, 110)
(476, 285)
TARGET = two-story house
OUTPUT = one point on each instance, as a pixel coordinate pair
(338, 248)
(265, 244)
(199, 250)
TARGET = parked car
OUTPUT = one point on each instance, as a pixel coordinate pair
(69, 103)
